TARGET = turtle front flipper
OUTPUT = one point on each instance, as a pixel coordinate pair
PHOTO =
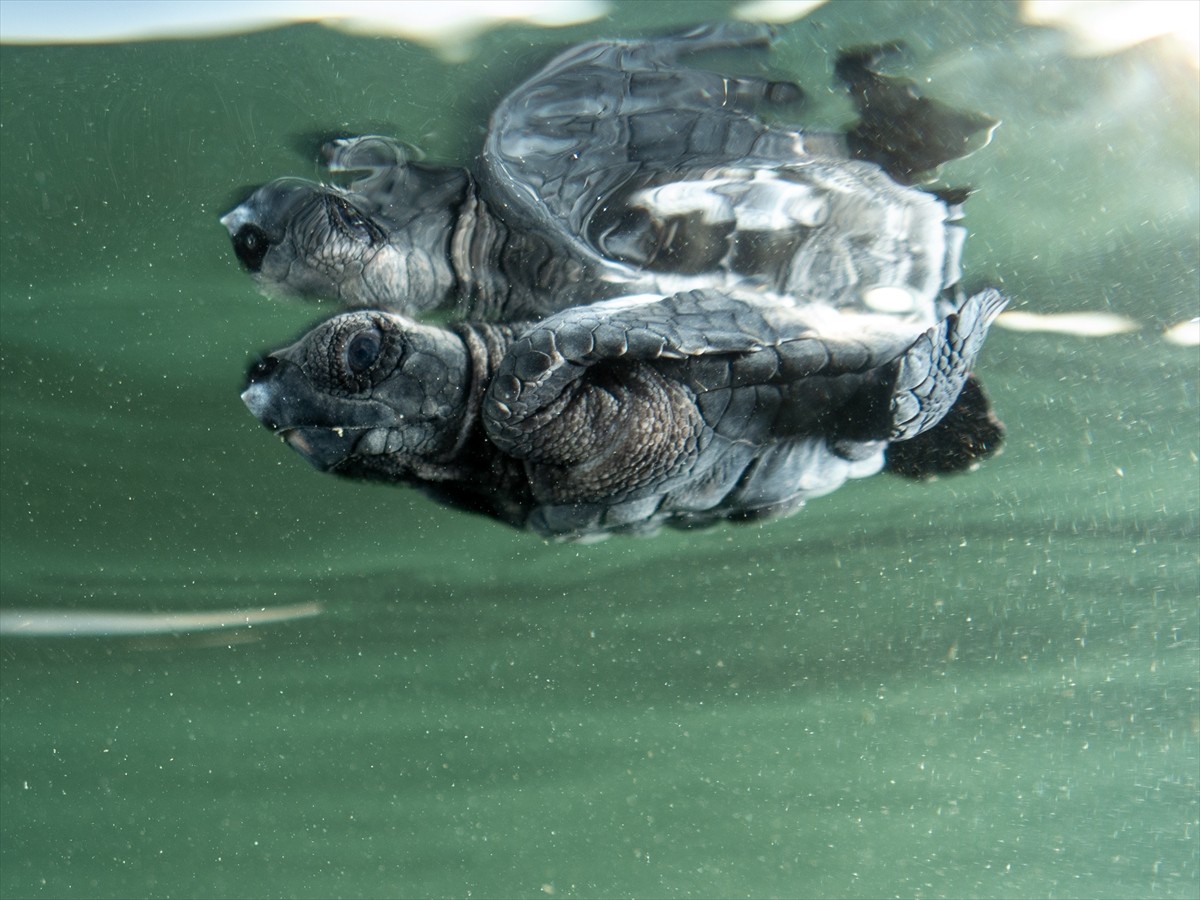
(563, 143)
(367, 152)
(695, 407)
(395, 188)
(382, 159)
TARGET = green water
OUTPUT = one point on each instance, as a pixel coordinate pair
(982, 686)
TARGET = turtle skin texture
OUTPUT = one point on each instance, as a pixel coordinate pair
(633, 413)
(621, 168)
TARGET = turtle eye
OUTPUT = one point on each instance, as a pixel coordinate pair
(363, 351)
(351, 222)
(251, 245)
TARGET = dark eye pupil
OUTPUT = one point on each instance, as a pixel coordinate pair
(251, 245)
(363, 350)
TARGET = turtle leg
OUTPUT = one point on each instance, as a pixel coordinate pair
(381, 159)
(396, 192)
(646, 75)
(665, 50)
(968, 433)
(908, 135)
(368, 151)
(932, 373)
(655, 63)
(727, 35)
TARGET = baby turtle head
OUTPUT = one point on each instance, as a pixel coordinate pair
(367, 394)
(262, 227)
(382, 242)
(322, 242)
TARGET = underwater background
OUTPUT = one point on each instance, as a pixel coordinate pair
(984, 685)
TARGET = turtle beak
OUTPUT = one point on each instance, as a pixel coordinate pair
(274, 390)
(325, 430)
(235, 219)
(324, 448)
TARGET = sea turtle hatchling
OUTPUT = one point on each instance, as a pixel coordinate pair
(629, 414)
(618, 170)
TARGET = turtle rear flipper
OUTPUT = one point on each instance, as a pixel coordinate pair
(930, 375)
(968, 433)
(908, 135)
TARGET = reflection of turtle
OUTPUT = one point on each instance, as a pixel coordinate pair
(636, 412)
(617, 170)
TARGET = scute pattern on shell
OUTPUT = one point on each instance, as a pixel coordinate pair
(622, 167)
(668, 311)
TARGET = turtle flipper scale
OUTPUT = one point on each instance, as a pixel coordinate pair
(555, 355)
(968, 433)
(599, 114)
(931, 374)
